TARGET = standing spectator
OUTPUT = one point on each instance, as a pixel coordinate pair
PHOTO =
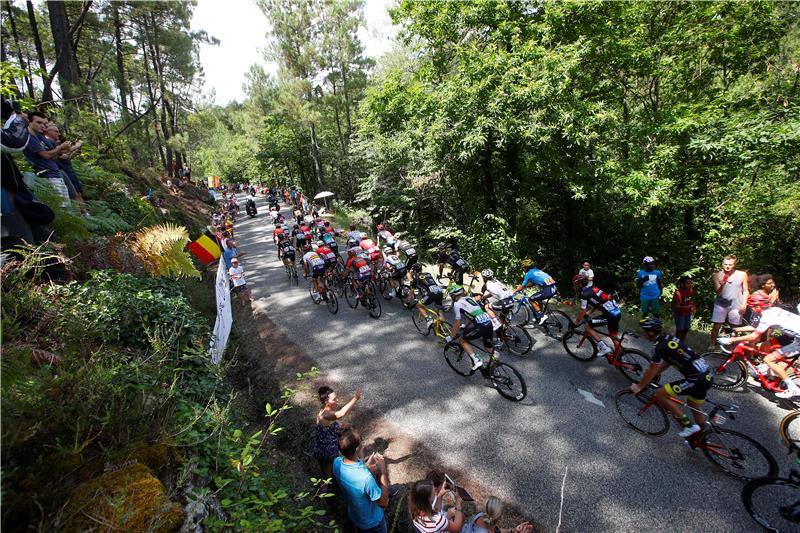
(230, 252)
(326, 443)
(293, 197)
(683, 306)
(43, 158)
(731, 288)
(486, 521)
(236, 272)
(587, 272)
(424, 517)
(365, 498)
(648, 279)
(64, 161)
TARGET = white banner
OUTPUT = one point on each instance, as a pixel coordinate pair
(222, 327)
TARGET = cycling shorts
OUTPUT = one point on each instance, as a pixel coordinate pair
(433, 299)
(363, 277)
(481, 331)
(791, 350)
(398, 274)
(694, 386)
(318, 272)
(411, 260)
(547, 292)
(288, 255)
(606, 320)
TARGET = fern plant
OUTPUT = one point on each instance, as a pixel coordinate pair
(160, 248)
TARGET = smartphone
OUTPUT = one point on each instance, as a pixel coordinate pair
(462, 492)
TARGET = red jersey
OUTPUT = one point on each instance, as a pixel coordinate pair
(358, 264)
(326, 254)
(278, 231)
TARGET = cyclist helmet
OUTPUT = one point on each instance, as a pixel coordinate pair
(320, 243)
(364, 237)
(580, 280)
(487, 274)
(296, 226)
(355, 250)
(758, 302)
(456, 290)
(281, 236)
(441, 246)
(387, 250)
(651, 324)
(527, 263)
(416, 267)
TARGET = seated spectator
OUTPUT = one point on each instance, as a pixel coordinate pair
(366, 499)
(43, 156)
(487, 520)
(426, 519)
(326, 443)
(64, 161)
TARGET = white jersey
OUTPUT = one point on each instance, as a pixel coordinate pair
(474, 312)
(354, 235)
(313, 260)
(775, 317)
(237, 275)
(589, 274)
(498, 290)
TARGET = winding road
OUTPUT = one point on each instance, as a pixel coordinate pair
(616, 479)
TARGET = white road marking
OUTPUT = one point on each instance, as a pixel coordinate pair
(589, 397)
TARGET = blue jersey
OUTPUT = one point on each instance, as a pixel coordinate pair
(538, 277)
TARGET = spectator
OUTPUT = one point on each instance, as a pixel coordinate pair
(683, 306)
(648, 279)
(586, 270)
(731, 288)
(365, 498)
(53, 135)
(486, 521)
(436, 477)
(293, 197)
(43, 157)
(230, 252)
(326, 443)
(236, 272)
(421, 502)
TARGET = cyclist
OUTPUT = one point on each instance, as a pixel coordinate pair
(327, 255)
(534, 276)
(493, 291)
(789, 325)
(329, 238)
(357, 267)
(285, 250)
(279, 230)
(371, 249)
(458, 264)
(409, 251)
(314, 266)
(386, 235)
(306, 230)
(480, 324)
(298, 235)
(430, 292)
(395, 267)
(670, 351)
(593, 299)
(353, 236)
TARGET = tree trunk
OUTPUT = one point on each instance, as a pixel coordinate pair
(488, 179)
(147, 77)
(336, 118)
(315, 154)
(346, 103)
(22, 64)
(47, 92)
(155, 54)
(68, 73)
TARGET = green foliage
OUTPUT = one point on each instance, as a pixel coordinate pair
(103, 220)
(69, 226)
(161, 249)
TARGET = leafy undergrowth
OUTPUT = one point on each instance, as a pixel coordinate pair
(111, 372)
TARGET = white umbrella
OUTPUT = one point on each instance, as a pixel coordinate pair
(324, 195)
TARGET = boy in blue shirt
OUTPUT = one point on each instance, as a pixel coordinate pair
(648, 279)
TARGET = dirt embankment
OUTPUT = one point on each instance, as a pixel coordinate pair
(267, 361)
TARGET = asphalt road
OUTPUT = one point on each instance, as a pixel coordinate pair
(616, 479)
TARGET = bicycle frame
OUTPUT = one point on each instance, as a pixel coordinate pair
(613, 356)
(744, 352)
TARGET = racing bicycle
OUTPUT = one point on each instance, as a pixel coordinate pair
(504, 378)
(365, 293)
(630, 362)
(428, 321)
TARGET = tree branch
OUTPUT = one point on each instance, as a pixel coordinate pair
(109, 143)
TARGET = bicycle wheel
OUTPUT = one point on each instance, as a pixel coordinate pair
(726, 332)
(458, 359)
(373, 303)
(295, 277)
(643, 416)
(774, 503)
(350, 296)
(385, 288)
(421, 322)
(556, 324)
(333, 301)
(521, 315)
(636, 362)
(790, 430)
(736, 454)
(405, 293)
(583, 349)
(729, 372)
(508, 382)
(311, 293)
(517, 340)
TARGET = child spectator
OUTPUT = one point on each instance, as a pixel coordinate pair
(236, 273)
(326, 443)
(586, 270)
(683, 306)
(648, 279)
(487, 520)
(425, 518)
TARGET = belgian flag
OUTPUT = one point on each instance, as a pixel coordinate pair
(205, 248)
